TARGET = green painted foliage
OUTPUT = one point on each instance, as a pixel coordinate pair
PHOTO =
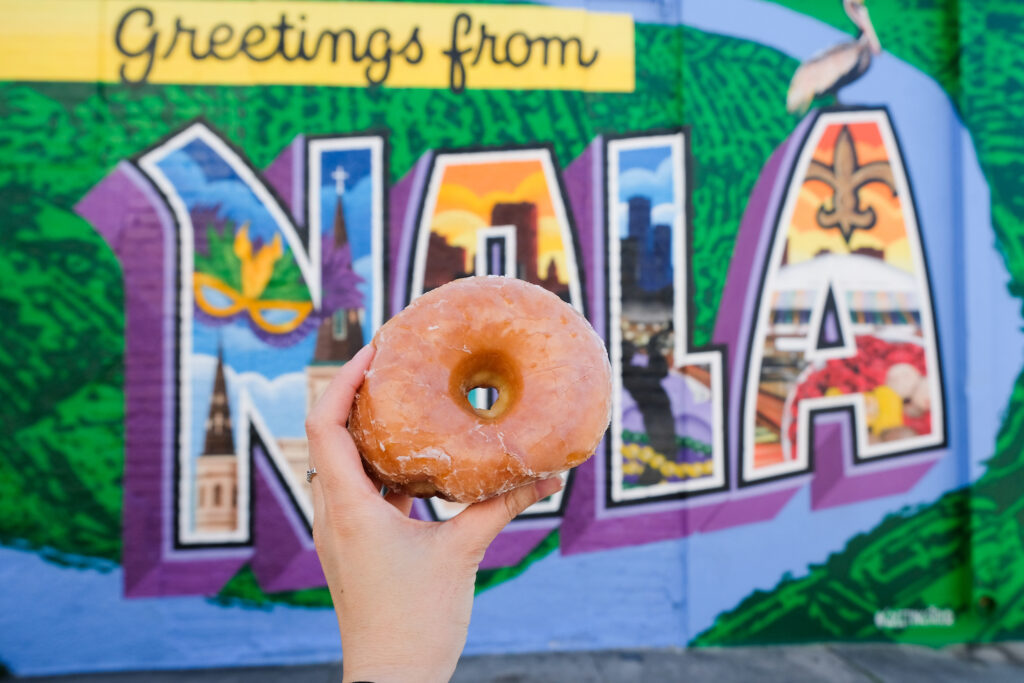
(898, 564)
(286, 282)
(489, 578)
(243, 590)
(997, 527)
(218, 258)
(61, 395)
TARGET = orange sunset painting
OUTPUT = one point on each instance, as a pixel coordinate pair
(852, 161)
(518, 196)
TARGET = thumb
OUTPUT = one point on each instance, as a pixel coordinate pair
(476, 526)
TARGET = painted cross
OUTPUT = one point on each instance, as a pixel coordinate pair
(339, 176)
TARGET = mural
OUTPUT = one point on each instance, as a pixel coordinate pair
(800, 246)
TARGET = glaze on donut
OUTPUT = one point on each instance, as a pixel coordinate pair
(412, 420)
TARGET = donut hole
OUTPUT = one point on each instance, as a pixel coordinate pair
(482, 398)
(486, 383)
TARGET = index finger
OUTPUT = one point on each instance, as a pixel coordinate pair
(331, 449)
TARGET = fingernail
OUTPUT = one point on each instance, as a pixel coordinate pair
(546, 487)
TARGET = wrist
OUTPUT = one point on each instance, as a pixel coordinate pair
(396, 651)
(361, 673)
(367, 666)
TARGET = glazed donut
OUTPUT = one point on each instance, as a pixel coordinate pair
(412, 420)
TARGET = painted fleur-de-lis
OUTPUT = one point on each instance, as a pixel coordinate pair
(847, 177)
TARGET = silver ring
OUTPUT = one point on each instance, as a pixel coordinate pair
(309, 474)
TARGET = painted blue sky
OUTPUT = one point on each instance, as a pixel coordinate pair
(647, 172)
(356, 163)
(204, 179)
(647, 158)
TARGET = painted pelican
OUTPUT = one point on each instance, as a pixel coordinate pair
(837, 66)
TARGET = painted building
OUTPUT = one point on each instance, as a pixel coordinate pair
(217, 466)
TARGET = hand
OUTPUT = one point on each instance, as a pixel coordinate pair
(402, 588)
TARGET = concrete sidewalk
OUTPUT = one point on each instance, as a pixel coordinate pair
(831, 663)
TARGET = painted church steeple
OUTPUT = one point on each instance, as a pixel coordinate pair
(341, 335)
(219, 437)
(216, 504)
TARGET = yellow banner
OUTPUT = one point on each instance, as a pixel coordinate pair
(391, 44)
